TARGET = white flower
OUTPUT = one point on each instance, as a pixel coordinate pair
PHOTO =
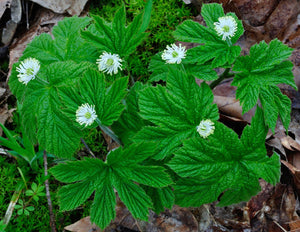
(86, 114)
(27, 70)
(109, 63)
(226, 27)
(205, 128)
(174, 54)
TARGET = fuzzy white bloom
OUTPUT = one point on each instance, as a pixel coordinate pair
(174, 54)
(27, 70)
(109, 63)
(86, 114)
(226, 27)
(205, 128)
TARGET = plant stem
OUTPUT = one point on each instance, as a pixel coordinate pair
(52, 218)
(87, 147)
(223, 76)
(109, 132)
(228, 42)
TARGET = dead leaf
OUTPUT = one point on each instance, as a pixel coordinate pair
(5, 114)
(294, 226)
(230, 106)
(289, 143)
(83, 225)
(273, 208)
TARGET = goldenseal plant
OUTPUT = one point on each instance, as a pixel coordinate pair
(172, 148)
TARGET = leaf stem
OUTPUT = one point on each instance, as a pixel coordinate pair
(42, 81)
(87, 147)
(222, 77)
(228, 42)
(109, 132)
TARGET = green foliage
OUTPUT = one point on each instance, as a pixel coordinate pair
(23, 209)
(160, 69)
(130, 122)
(8, 181)
(167, 153)
(214, 49)
(36, 191)
(27, 153)
(175, 110)
(258, 76)
(165, 16)
(41, 113)
(92, 89)
(224, 164)
(115, 37)
(122, 168)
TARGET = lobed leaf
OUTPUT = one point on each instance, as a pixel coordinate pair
(115, 37)
(212, 47)
(257, 77)
(175, 110)
(223, 163)
(121, 171)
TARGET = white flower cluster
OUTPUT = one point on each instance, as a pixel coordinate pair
(174, 54)
(27, 70)
(205, 128)
(86, 114)
(109, 63)
(226, 27)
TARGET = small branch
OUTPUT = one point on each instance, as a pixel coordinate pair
(87, 147)
(109, 132)
(223, 76)
(52, 218)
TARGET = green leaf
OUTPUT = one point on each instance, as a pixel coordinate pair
(175, 110)
(258, 76)
(122, 170)
(223, 163)
(103, 208)
(146, 16)
(161, 197)
(92, 90)
(134, 197)
(130, 122)
(66, 45)
(160, 69)
(214, 48)
(55, 131)
(211, 13)
(115, 37)
(73, 195)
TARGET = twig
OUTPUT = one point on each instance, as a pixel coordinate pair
(87, 147)
(280, 226)
(52, 218)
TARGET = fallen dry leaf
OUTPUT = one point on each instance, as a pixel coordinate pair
(83, 225)
(5, 114)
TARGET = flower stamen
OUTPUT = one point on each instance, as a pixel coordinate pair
(86, 114)
(205, 128)
(174, 54)
(27, 70)
(109, 63)
(226, 27)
